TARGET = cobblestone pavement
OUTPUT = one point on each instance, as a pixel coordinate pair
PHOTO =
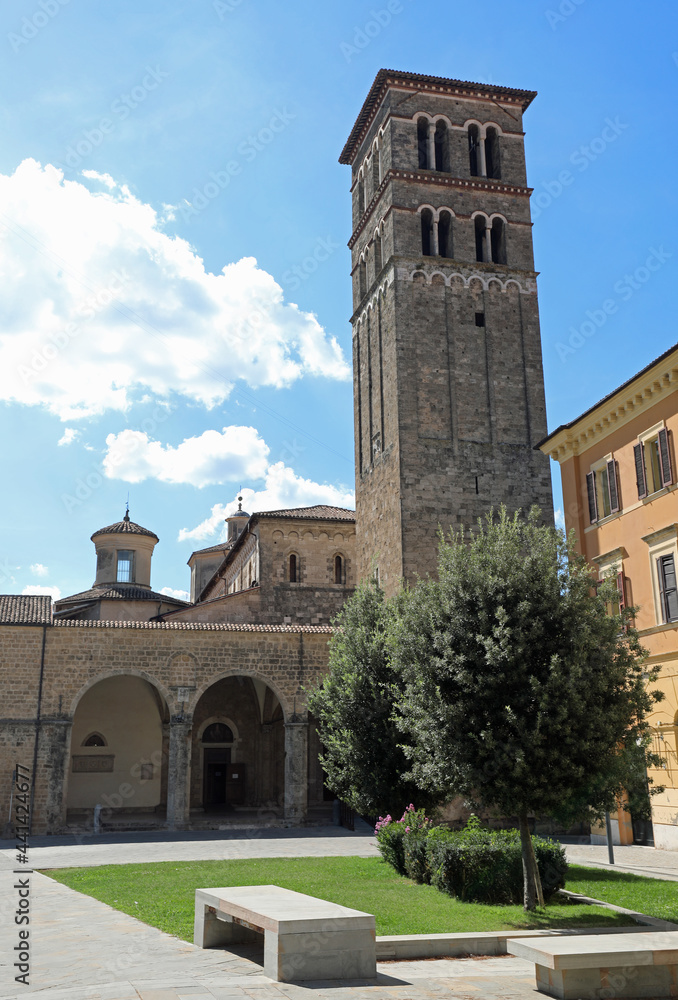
(82, 949)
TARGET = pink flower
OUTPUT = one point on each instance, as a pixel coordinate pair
(407, 829)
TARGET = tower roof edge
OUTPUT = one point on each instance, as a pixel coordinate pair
(434, 84)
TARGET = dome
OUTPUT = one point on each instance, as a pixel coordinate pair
(125, 527)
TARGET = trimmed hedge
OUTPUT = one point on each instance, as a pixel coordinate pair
(475, 865)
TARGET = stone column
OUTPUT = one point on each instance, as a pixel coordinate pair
(482, 159)
(487, 255)
(431, 146)
(52, 777)
(435, 243)
(296, 771)
(179, 773)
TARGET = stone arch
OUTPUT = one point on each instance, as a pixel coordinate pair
(243, 672)
(167, 697)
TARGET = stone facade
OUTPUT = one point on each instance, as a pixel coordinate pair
(448, 384)
(251, 677)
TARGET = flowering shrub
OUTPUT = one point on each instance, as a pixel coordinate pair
(391, 833)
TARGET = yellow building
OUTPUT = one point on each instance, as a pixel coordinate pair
(619, 473)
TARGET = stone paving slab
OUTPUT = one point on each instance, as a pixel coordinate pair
(83, 949)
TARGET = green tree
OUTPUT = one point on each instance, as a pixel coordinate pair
(353, 706)
(520, 691)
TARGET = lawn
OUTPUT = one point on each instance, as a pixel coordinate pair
(652, 896)
(162, 894)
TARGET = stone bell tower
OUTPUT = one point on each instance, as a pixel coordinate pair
(448, 383)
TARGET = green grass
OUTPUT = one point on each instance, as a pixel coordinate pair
(162, 894)
(652, 896)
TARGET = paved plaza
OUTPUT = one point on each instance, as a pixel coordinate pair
(82, 949)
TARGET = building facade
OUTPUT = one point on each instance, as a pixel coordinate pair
(163, 712)
(618, 465)
(448, 384)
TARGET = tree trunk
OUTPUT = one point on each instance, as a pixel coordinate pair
(532, 891)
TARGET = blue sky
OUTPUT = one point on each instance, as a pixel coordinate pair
(151, 152)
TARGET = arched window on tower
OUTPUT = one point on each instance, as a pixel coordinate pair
(498, 241)
(474, 150)
(480, 224)
(427, 232)
(338, 569)
(422, 143)
(376, 169)
(361, 194)
(362, 277)
(445, 235)
(378, 261)
(441, 147)
(492, 164)
(293, 569)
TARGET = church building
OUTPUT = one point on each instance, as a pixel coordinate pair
(169, 713)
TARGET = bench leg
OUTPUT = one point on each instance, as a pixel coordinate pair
(211, 932)
(300, 957)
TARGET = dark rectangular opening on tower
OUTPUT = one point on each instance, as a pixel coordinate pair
(480, 319)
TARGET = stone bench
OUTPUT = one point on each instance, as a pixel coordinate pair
(304, 937)
(635, 964)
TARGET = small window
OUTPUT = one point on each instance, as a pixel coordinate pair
(666, 571)
(422, 143)
(602, 488)
(218, 732)
(427, 232)
(94, 740)
(445, 235)
(652, 458)
(480, 319)
(294, 571)
(473, 144)
(492, 154)
(338, 569)
(440, 147)
(498, 240)
(480, 226)
(376, 170)
(125, 563)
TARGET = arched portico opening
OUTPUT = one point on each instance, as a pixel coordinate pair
(238, 749)
(118, 755)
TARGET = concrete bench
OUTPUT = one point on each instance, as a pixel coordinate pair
(636, 964)
(304, 938)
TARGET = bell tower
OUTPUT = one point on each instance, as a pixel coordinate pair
(447, 368)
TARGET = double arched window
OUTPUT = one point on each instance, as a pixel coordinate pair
(436, 232)
(483, 151)
(490, 235)
(433, 148)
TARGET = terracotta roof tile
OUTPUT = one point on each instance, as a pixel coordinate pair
(320, 512)
(25, 609)
(125, 527)
(198, 626)
(120, 592)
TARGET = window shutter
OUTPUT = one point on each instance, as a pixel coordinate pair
(593, 500)
(641, 481)
(621, 587)
(613, 486)
(667, 583)
(662, 587)
(665, 457)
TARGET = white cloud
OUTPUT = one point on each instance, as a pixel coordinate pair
(560, 519)
(39, 570)
(212, 457)
(53, 592)
(100, 306)
(283, 489)
(69, 435)
(180, 595)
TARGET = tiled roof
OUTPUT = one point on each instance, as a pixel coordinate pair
(420, 81)
(120, 592)
(25, 609)
(198, 626)
(222, 547)
(125, 527)
(320, 512)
